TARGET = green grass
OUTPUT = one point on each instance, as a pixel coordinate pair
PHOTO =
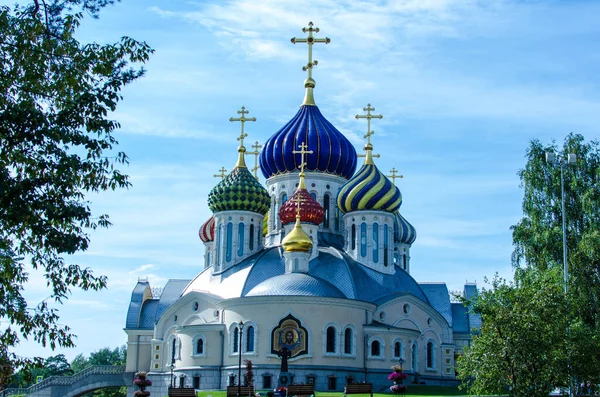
(413, 390)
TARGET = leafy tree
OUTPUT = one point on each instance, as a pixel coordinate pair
(56, 145)
(538, 239)
(520, 350)
(106, 356)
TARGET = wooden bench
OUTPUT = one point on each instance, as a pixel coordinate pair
(182, 392)
(232, 391)
(301, 390)
(359, 388)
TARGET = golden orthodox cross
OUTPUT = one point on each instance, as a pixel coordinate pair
(393, 175)
(302, 152)
(310, 40)
(223, 173)
(369, 116)
(256, 152)
(242, 119)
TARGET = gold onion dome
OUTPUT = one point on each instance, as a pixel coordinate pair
(239, 191)
(297, 240)
(369, 189)
(310, 210)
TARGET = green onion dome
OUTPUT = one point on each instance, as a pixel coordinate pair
(239, 191)
(369, 189)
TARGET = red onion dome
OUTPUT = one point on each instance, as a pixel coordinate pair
(207, 230)
(310, 210)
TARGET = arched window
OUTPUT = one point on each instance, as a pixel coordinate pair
(404, 261)
(236, 337)
(173, 350)
(326, 208)
(375, 242)
(353, 239)
(385, 245)
(430, 355)
(240, 239)
(251, 238)
(283, 198)
(363, 240)
(330, 345)
(375, 348)
(208, 259)
(398, 348)
(313, 195)
(200, 346)
(250, 339)
(218, 246)
(414, 354)
(229, 242)
(348, 341)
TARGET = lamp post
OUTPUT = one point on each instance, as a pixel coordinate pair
(241, 328)
(563, 160)
(172, 378)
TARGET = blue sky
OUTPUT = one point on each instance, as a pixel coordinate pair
(463, 85)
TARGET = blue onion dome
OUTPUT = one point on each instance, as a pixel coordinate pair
(333, 152)
(404, 232)
(369, 189)
(239, 191)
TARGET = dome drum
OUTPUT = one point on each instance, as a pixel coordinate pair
(238, 234)
(369, 239)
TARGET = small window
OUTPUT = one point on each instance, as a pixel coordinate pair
(195, 306)
(236, 335)
(348, 341)
(397, 349)
(363, 240)
(353, 238)
(331, 383)
(267, 382)
(385, 245)
(375, 242)
(156, 357)
(429, 321)
(240, 239)
(330, 340)
(200, 346)
(430, 355)
(447, 351)
(250, 339)
(326, 208)
(155, 366)
(251, 238)
(375, 348)
(157, 347)
(229, 245)
(406, 308)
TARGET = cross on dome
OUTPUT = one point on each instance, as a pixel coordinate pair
(255, 152)
(310, 40)
(368, 147)
(393, 175)
(242, 119)
(223, 173)
(369, 116)
(303, 146)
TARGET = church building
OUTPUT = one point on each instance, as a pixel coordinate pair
(312, 268)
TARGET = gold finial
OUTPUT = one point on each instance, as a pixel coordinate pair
(241, 150)
(297, 240)
(223, 173)
(256, 152)
(393, 175)
(368, 147)
(309, 83)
